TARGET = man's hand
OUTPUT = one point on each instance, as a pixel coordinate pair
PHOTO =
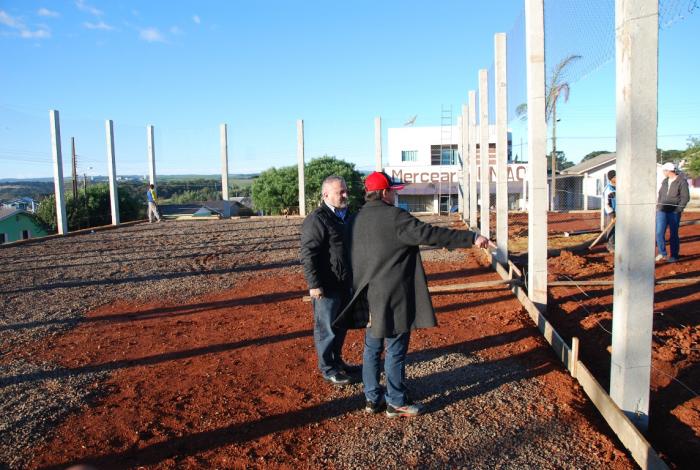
(482, 242)
(316, 293)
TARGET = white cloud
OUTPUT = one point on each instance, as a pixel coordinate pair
(43, 32)
(175, 30)
(8, 20)
(196, 19)
(151, 35)
(82, 6)
(101, 25)
(47, 12)
(38, 34)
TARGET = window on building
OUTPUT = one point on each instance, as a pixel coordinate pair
(3, 238)
(409, 155)
(444, 155)
(25, 234)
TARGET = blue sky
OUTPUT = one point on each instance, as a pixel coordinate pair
(186, 67)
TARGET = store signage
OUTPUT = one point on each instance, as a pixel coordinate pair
(516, 172)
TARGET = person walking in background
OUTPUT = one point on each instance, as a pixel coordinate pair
(609, 197)
(152, 204)
(673, 197)
(391, 293)
(325, 257)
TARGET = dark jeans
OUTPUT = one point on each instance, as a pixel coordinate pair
(611, 235)
(327, 339)
(394, 368)
(671, 220)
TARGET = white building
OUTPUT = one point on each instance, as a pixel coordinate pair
(428, 160)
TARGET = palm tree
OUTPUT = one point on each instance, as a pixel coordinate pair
(555, 89)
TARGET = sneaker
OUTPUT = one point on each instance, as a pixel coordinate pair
(659, 257)
(406, 411)
(339, 379)
(373, 408)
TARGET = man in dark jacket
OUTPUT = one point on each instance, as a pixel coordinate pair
(391, 292)
(325, 256)
(673, 197)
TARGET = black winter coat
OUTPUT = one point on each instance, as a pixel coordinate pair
(325, 251)
(388, 276)
(673, 197)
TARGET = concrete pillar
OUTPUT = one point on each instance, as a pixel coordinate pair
(484, 152)
(61, 219)
(378, 143)
(223, 142)
(636, 47)
(501, 97)
(460, 150)
(537, 153)
(465, 163)
(151, 156)
(300, 166)
(112, 171)
(473, 223)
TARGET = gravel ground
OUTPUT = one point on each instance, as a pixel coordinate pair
(47, 287)
(480, 414)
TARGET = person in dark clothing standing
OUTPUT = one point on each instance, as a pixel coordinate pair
(391, 293)
(325, 256)
(673, 197)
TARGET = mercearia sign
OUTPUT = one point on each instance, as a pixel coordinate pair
(516, 172)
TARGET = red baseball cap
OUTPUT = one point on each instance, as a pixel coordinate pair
(377, 181)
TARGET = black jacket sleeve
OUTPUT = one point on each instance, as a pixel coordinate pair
(412, 231)
(312, 236)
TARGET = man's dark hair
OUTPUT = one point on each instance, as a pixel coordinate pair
(373, 195)
(611, 175)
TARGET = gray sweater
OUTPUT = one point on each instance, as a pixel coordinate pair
(673, 197)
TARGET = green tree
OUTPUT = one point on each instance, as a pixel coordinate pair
(663, 156)
(277, 189)
(91, 209)
(691, 155)
(562, 162)
(593, 154)
(318, 169)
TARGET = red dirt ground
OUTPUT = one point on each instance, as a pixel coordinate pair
(229, 380)
(674, 428)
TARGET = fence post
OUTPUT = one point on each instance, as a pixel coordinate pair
(636, 46)
(484, 152)
(473, 223)
(300, 167)
(61, 219)
(223, 142)
(501, 97)
(378, 143)
(537, 153)
(112, 170)
(151, 156)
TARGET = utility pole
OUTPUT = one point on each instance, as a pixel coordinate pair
(553, 186)
(75, 171)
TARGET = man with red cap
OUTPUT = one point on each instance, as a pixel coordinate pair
(390, 289)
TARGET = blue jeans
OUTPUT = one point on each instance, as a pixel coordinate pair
(394, 368)
(671, 220)
(327, 339)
